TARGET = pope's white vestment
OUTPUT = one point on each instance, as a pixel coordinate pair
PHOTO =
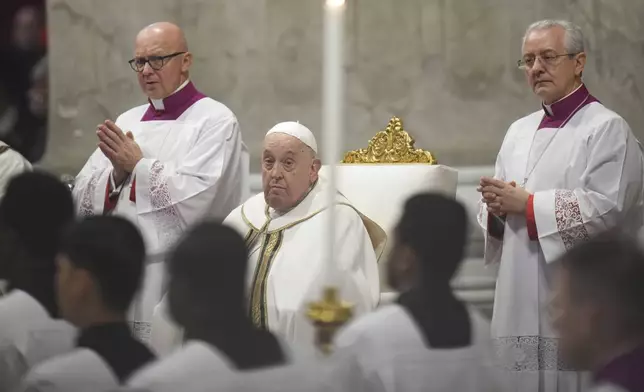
(584, 167)
(192, 168)
(28, 336)
(287, 265)
(393, 355)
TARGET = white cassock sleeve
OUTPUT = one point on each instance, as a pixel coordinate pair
(493, 226)
(11, 164)
(90, 185)
(610, 186)
(176, 197)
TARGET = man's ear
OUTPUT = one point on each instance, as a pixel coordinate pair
(187, 62)
(317, 164)
(580, 64)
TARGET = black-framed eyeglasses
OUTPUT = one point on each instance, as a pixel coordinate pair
(547, 59)
(156, 62)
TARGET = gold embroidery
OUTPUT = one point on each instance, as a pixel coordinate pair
(258, 308)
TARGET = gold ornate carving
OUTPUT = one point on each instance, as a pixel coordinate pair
(391, 145)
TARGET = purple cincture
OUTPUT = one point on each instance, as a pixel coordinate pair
(174, 105)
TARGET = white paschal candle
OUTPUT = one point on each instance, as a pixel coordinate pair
(332, 115)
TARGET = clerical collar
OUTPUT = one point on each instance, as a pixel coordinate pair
(564, 106)
(557, 113)
(171, 107)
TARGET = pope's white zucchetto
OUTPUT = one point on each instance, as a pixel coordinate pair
(297, 130)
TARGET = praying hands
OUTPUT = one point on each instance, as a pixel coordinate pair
(120, 148)
(503, 198)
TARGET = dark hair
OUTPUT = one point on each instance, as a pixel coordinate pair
(211, 262)
(35, 209)
(207, 296)
(111, 249)
(609, 270)
(435, 228)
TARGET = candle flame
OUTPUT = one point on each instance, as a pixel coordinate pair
(335, 3)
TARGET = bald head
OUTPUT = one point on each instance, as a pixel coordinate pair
(168, 33)
(167, 41)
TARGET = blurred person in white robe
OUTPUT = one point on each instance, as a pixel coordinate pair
(563, 174)
(33, 213)
(166, 164)
(598, 310)
(95, 285)
(207, 298)
(428, 340)
(11, 164)
(282, 227)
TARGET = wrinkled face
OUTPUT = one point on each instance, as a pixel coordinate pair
(158, 84)
(72, 288)
(551, 76)
(288, 170)
(574, 321)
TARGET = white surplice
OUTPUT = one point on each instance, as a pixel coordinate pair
(193, 168)
(393, 356)
(81, 370)
(585, 177)
(11, 164)
(286, 267)
(195, 364)
(28, 336)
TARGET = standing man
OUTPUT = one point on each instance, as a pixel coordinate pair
(563, 174)
(165, 164)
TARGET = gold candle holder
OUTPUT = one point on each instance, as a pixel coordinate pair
(328, 315)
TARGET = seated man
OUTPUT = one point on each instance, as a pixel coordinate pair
(282, 228)
(599, 311)
(32, 215)
(428, 340)
(207, 298)
(100, 267)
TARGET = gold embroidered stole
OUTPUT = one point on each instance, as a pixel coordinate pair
(271, 242)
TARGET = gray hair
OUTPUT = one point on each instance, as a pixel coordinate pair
(574, 38)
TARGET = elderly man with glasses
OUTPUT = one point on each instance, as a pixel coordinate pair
(166, 164)
(564, 173)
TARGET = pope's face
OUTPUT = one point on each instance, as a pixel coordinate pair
(551, 75)
(288, 170)
(161, 83)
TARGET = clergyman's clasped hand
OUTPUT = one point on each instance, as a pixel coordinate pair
(119, 147)
(502, 197)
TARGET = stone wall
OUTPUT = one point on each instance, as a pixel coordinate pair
(447, 67)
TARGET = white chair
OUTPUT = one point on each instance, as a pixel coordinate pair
(378, 180)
